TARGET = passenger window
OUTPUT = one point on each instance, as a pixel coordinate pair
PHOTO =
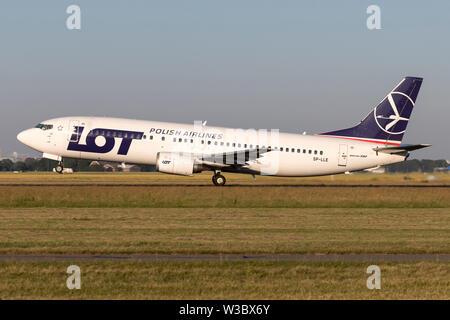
(151, 137)
(281, 148)
(292, 150)
(239, 145)
(315, 151)
(221, 143)
(309, 151)
(145, 137)
(234, 144)
(163, 138)
(192, 140)
(298, 150)
(304, 150)
(215, 143)
(287, 149)
(209, 142)
(228, 144)
(321, 152)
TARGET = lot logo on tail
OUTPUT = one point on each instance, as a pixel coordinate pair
(389, 119)
(108, 141)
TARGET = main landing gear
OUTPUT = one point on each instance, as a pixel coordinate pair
(218, 179)
(59, 168)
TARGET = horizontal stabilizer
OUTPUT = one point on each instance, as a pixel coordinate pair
(401, 148)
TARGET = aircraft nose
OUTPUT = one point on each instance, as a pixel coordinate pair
(24, 136)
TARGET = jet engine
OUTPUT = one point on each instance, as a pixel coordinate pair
(177, 163)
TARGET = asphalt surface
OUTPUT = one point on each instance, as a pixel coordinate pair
(228, 257)
(226, 186)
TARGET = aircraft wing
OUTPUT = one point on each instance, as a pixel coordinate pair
(233, 158)
(401, 148)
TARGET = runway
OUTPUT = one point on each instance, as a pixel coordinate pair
(226, 257)
(226, 186)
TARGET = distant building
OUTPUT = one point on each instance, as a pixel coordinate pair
(443, 169)
(379, 170)
(109, 167)
(130, 168)
(114, 167)
(65, 170)
(94, 164)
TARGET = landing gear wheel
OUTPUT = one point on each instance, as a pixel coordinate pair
(218, 179)
(59, 168)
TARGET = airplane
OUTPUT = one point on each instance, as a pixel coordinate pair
(186, 149)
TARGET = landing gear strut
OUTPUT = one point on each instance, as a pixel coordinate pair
(59, 168)
(218, 179)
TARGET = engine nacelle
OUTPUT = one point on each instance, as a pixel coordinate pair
(176, 163)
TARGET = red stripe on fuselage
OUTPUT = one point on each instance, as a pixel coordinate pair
(365, 140)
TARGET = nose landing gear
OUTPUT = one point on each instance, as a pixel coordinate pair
(59, 168)
(218, 179)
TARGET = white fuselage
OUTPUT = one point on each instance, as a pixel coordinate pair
(137, 141)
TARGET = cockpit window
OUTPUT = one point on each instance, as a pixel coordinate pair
(44, 126)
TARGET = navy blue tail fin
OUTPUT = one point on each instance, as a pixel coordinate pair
(387, 122)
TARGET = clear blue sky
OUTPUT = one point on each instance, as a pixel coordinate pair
(294, 65)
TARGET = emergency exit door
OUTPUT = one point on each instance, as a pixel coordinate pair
(343, 155)
(74, 131)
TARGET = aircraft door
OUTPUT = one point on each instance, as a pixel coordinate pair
(74, 131)
(343, 155)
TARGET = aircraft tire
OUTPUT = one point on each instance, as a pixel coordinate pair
(59, 169)
(219, 180)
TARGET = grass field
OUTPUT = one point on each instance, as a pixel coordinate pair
(232, 179)
(224, 280)
(213, 197)
(286, 216)
(224, 230)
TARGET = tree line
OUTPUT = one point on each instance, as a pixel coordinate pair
(36, 164)
(415, 165)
